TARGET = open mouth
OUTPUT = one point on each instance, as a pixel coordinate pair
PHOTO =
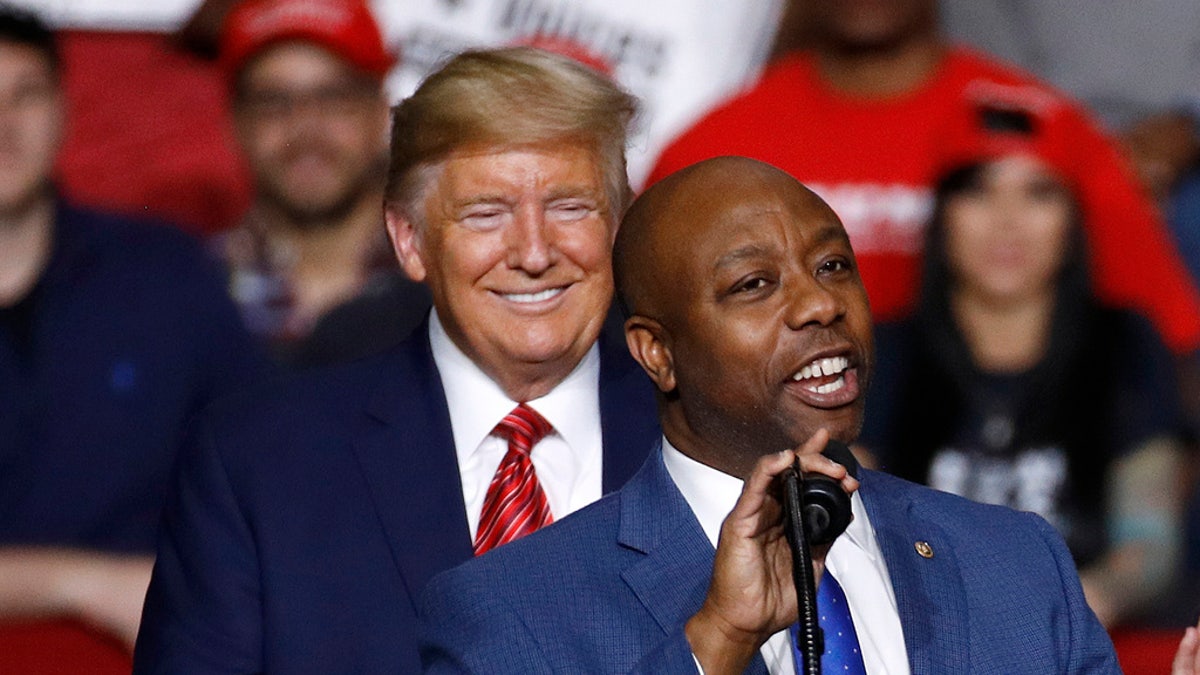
(824, 376)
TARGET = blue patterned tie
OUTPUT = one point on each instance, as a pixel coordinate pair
(842, 654)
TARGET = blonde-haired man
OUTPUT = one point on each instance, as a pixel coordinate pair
(308, 518)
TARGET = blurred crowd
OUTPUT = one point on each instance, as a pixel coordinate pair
(1021, 189)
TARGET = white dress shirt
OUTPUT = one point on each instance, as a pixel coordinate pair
(567, 461)
(854, 559)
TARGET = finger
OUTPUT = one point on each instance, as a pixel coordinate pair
(772, 465)
(811, 462)
(815, 444)
(758, 484)
(1185, 657)
(1194, 645)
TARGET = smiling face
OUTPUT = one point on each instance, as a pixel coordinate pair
(516, 247)
(312, 130)
(1007, 234)
(763, 335)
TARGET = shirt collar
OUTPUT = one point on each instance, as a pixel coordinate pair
(859, 532)
(709, 492)
(476, 403)
(712, 494)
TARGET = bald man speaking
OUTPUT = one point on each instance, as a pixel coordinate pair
(747, 311)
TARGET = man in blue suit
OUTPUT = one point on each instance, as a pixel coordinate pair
(760, 342)
(307, 518)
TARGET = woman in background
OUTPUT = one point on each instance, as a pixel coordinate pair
(1011, 384)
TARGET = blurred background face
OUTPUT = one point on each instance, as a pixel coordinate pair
(516, 247)
(312, 130)
(1007, 234)
(31, 122)
(872, 24)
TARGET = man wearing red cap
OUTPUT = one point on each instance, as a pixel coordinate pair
(310, 112)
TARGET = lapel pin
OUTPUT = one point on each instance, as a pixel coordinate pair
(923, 549)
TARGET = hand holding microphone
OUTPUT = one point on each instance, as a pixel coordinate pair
(752, 594)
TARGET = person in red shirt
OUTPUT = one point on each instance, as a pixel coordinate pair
(860, 117)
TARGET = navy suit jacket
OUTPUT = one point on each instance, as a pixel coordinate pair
(307, 518)
(609, 588)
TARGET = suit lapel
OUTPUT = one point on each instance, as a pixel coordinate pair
(406, 451)
(672, 577)
(929, 591)
(628, 412)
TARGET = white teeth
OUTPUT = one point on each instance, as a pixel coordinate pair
(831, 387)
(827, 366)
(532, 297)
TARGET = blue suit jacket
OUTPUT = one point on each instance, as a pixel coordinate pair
(608, 589)
(307, 518)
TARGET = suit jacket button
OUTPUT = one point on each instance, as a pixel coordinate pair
(924, 549)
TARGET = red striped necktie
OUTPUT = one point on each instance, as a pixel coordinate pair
(515, 504)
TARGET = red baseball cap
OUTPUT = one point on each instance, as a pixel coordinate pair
(1002, 121)
(344, 27)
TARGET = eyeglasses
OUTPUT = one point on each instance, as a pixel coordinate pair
(329, 100)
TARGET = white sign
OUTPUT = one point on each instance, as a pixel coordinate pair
(679, 57)
(139, 15)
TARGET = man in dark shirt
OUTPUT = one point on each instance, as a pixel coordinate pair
(112, 334)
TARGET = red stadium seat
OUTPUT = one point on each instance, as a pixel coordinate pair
(59, 648)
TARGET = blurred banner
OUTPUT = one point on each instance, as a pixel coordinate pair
(139, 15)
(679, 57)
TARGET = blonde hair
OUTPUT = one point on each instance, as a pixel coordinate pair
(507, 97)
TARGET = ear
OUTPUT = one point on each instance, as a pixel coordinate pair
(649, 346)
(405, 242)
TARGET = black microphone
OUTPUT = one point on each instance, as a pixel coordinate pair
(825, 505)
(816, 509)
